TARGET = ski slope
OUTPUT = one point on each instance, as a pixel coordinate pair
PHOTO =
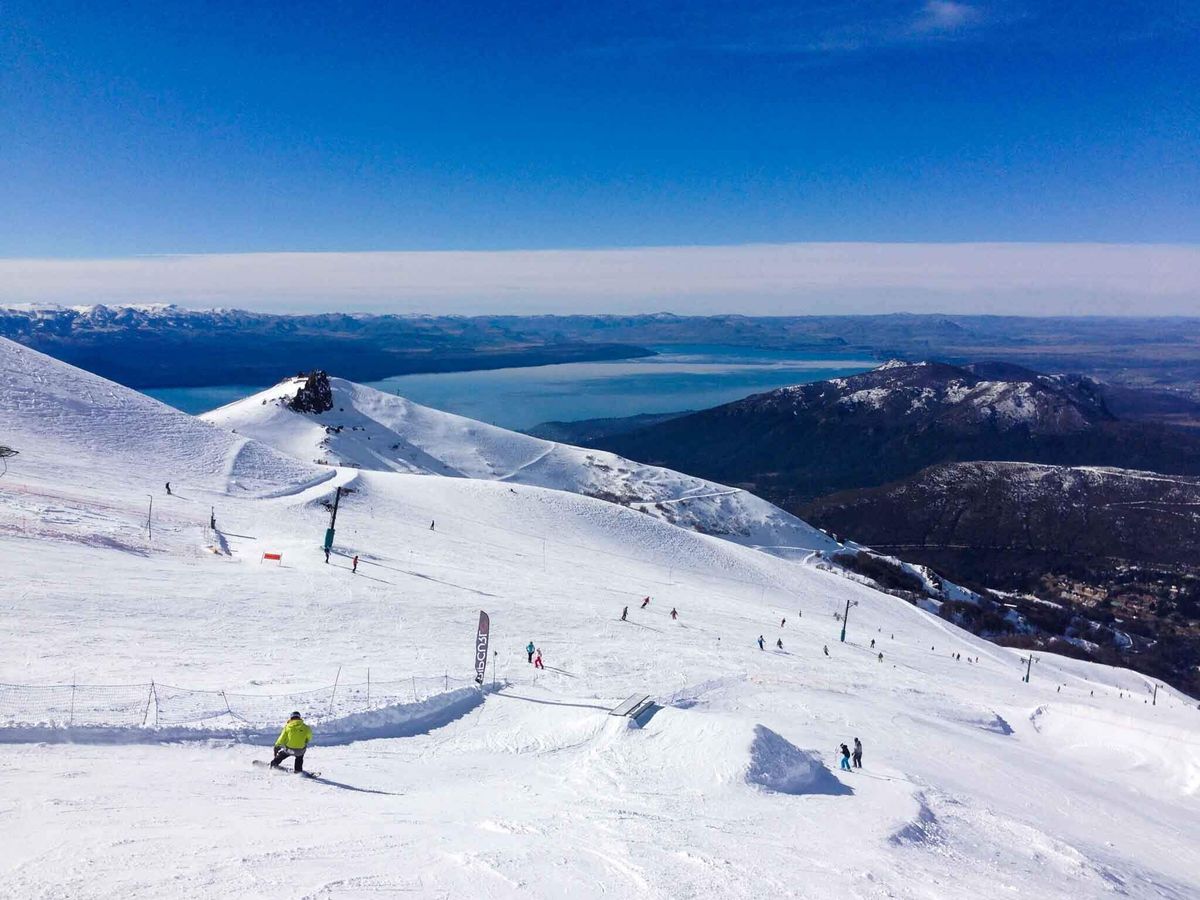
(975, 784)
(368, 429)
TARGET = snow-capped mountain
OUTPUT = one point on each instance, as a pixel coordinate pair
(342, 423)
(140, 673)
(34, 320)
(798, 443)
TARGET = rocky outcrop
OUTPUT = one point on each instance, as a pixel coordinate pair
(314, 396)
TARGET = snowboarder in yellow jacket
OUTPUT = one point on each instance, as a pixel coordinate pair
(292, 741)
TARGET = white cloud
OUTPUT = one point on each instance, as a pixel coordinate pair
(1037, 279)
(943, 17)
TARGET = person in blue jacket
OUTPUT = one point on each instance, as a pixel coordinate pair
(529, 649)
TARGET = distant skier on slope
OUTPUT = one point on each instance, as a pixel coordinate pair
(760, 643)
(529, 649)
(292, 741)
(826, 649)
(645, 603)
(845, 757)
(674, 613)
(881, 657)
(432, 523)
(779, 643)
(168, 489)
(354, 565)
(625, 614)
(872, 643)
(783, 621)
(537, 660)
(857, 753)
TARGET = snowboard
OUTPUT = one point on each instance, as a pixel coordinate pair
(262, 764)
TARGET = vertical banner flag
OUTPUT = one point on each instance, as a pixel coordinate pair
(481, 646)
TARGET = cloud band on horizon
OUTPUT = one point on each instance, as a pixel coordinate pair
(767, 279)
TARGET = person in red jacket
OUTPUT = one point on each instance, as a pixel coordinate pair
(537, 660)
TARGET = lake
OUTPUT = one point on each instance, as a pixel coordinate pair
(680, 377)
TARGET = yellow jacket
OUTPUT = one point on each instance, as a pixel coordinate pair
(295, 735)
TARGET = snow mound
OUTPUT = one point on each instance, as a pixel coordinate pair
(780, 766)
(695, 749)
(369, 429)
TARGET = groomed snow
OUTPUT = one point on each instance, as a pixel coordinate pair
(975, 784)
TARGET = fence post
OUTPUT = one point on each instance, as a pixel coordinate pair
(228, 709)
(368, 687)
(447, 687)
(333, 693)
(71, 718)
(149, 700)
(414, 678)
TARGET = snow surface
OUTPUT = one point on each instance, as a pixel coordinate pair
(975, 784)
(369, 429)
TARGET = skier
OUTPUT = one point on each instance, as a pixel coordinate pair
(857, 753)
(625, 614)
(845, 757)
(431, 524)
(168, 489)
(881, 657)
(537, 660)
(872, 643)
(826, 649)
(645, 603)
(292, 741)
(529, 650)
(354, 565)
(674, 613)
(760, 643)
(779, 643)
(782, 621)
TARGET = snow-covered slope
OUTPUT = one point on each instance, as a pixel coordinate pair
(974, 783)
(66, 423)
(368, 429)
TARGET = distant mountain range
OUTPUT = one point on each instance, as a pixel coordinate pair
(796, 444)
(167, 346)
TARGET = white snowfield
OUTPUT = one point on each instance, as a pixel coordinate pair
(973, 784)
(368, 429)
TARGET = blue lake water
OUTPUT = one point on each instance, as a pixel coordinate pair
(680, 377)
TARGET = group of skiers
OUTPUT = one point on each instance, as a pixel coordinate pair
(535, 656)
(645, 603)
(856, 756)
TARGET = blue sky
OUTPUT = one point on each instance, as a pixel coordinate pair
(133, 129)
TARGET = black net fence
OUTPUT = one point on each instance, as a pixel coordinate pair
(152, 704)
